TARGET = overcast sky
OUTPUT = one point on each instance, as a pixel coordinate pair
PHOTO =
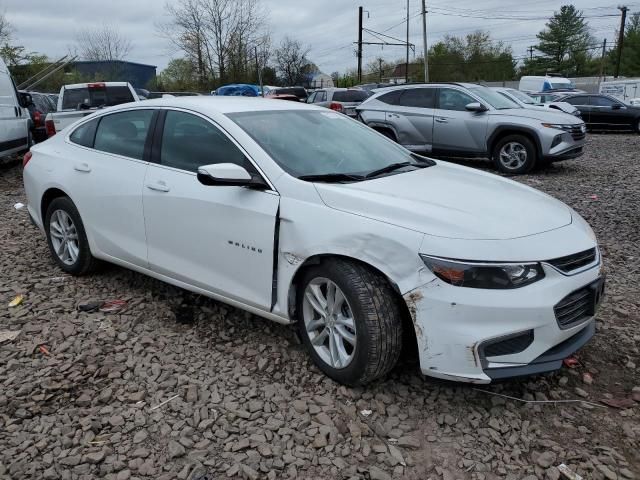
(329, 27)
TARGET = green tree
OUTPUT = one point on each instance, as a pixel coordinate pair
(180, 75)
(566, 45)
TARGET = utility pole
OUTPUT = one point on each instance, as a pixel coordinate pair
(424, 41)
(621, 38)
(604, 52)
(360, 14)
(406, 73)
(380, 67)
(530, 50)
(259, 71)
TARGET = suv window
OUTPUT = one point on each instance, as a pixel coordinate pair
(578, 100)
(85, 134)
(124, 133)
(96, 97)
(350, 96)
(451, 99)
(320, 97)
(598, 101)
(418, 97)
(189, 142)
(391, 98)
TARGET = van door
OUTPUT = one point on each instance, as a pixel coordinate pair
(14, 120)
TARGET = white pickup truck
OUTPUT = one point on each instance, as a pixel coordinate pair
(82, 99)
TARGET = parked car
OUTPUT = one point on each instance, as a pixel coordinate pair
(343, 100)
(81, 99)
(312, 217)
(533, 83)
(299, 92)
(605, 112)
(527, 101)
(40, 106)
(238, 90)
(370, 87)
(466, 120)
(14, 117)
(283, 96)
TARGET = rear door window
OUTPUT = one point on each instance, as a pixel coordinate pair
(418, 97)
(124, 133)
(598, 101)
(578, 100)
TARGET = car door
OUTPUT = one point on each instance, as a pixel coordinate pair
(14, 120)
(581, 102)
(412, 118)
(107, 168)
(608, 112)
(217, 238)
(457, 130)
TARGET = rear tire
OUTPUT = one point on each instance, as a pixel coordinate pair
(67, 238)
(362, 314)
(515, 154)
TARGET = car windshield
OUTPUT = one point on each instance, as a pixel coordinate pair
(350, 96)
(493, 98)
(523, 97)
(316, 143)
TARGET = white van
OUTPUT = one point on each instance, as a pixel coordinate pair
(536, 84)
(627, 90)
(14, 119)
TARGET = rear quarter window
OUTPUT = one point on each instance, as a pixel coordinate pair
(85, 134)
(391, 98)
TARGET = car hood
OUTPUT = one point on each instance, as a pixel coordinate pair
(450, 201)
(544, 115)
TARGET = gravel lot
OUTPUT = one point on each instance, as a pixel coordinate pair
(245, 401)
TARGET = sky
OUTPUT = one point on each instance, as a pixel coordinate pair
(328, 27)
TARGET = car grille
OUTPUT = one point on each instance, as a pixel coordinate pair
(509, 346)
(577, 133)
(579, 305)
(575, 261)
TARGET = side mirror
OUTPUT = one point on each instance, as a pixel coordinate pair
(475, 107)
(229, 175)
(26, 100)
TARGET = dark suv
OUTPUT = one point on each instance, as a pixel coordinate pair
(605, 112)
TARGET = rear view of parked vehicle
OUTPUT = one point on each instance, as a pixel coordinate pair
(466, 120)
(300, 214)
(343, 100)
(605, 112)
(39, 108)
(299, 92)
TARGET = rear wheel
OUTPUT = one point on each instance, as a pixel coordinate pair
(67, 238)
(350, 321)
(515, 154)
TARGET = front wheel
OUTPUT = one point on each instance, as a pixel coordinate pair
(515, 154)
(350, 321)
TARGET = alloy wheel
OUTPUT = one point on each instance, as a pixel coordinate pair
(513, 155)
(329, 322)
(64, 237)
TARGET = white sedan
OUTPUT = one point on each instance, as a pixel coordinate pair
(299, 214)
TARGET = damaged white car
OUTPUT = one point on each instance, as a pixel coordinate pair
(299, 214)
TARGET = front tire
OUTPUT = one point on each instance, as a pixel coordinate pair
(67, 238)
(515, 154)
(350, 321)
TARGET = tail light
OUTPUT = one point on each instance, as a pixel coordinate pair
(51, 128)
(37, 119)
(96, 85)
(26, 158)
(336, 106)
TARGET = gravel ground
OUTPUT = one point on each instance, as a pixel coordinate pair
(243, 400)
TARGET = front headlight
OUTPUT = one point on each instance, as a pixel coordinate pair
(558, 126)
(484, 275)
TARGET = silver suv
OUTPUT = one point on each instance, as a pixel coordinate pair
(467, 120)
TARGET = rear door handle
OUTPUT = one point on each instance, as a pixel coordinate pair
(442, 120)
(82, 167)
(158, 187)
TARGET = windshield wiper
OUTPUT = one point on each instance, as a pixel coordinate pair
(389, 168)
(332, 177)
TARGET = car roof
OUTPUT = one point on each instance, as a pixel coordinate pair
(404, 86)
(220, 104)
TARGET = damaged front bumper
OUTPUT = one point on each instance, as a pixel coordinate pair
(478, 336)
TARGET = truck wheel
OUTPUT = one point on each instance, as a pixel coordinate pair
(350, 321)
(67, 238)
(515, 154)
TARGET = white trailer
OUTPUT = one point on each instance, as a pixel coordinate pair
(627, 90)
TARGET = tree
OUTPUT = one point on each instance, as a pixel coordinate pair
(104, 43)
(180, 75)
(6, 30)
(291, 61)
(565, 44)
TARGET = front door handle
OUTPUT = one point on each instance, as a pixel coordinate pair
(158, 187)
(442, 120)
(82, 167)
